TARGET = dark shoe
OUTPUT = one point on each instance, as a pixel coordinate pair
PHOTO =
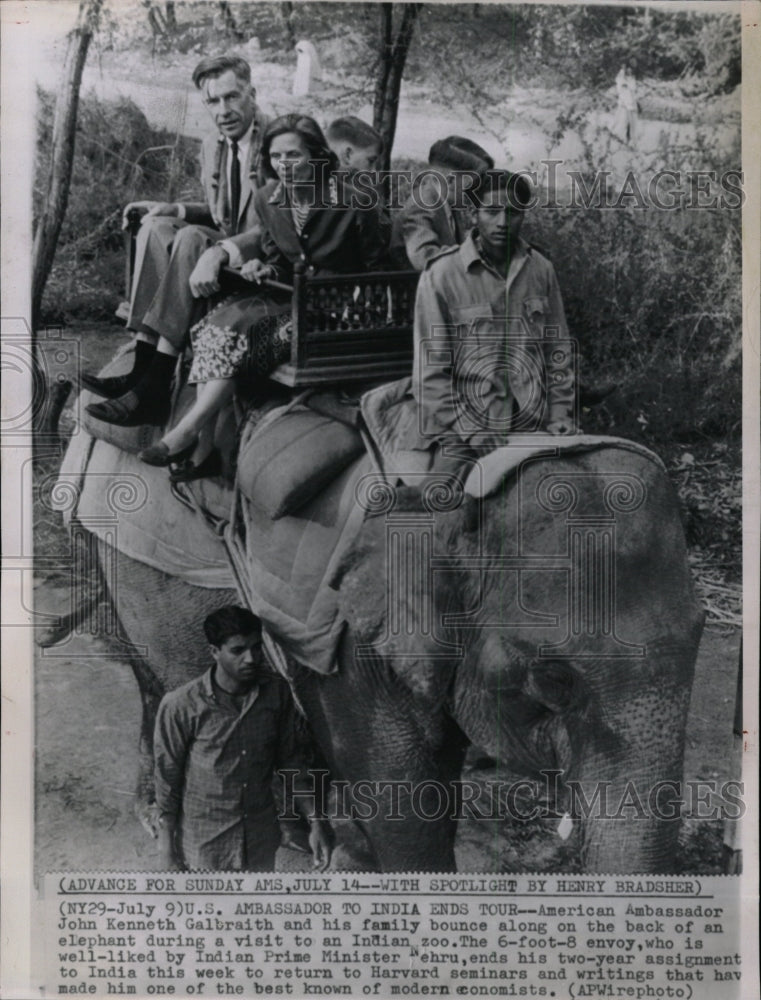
(158, 454)
(188, 471)
(131, 411)
(111, 388)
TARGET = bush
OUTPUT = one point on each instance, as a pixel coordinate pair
(654, 300)
(118, 158)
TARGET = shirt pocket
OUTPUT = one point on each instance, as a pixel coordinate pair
(536, 311)
(475, 324)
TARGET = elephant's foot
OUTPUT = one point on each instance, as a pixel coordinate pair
(294, 835)
(351, 851)
(346, 859)
(55, 634)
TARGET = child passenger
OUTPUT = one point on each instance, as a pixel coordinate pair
(356, 144)
(359, 148)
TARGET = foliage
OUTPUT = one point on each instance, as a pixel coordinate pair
(654, 301)
(557, 43)
(652, 286)
(587, 44)
(118, 158)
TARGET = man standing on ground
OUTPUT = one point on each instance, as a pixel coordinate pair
(182, 247)
(219, 739)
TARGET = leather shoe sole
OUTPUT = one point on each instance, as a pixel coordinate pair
(110, 388)
(129, 411)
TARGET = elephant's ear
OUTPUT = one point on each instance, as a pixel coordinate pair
(393, 605)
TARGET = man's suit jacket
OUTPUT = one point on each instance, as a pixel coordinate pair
(215, 212)
(421, 233)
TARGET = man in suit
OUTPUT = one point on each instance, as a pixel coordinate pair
(182, 247)
(435, 215)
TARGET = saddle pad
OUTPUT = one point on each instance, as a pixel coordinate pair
(285, 568)
(131, 506)
(391, 417)
(491, 470)
(291, 456)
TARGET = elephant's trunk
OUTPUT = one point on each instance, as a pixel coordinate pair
(627, 794)
(613, 730)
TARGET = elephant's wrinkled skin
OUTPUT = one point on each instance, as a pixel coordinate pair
(397, 713)
(597, 715)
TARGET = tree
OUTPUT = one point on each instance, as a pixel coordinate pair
(286, 10)
(62, 150)
(393, 49)
(161, 24)
(230, 25)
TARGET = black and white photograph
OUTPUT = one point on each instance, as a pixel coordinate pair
(380, 459)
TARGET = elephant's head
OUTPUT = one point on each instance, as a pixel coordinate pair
(555, 622)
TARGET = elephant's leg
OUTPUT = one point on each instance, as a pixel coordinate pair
(415, 830)
(395, 761)
(163, 617)
(151, 694)
(88, 590)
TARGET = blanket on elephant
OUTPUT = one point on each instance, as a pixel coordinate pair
(388, 410)
(284, 567)
(492, 470)
(130, 505)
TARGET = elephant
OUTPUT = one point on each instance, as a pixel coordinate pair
(552, 622)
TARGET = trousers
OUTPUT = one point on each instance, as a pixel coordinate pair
(161, 303)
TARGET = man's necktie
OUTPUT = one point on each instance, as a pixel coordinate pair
(234, 186)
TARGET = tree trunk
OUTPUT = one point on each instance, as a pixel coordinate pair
(287, 10)
(229, 22)
(155, 19)
(393, 49)
(62, 153)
